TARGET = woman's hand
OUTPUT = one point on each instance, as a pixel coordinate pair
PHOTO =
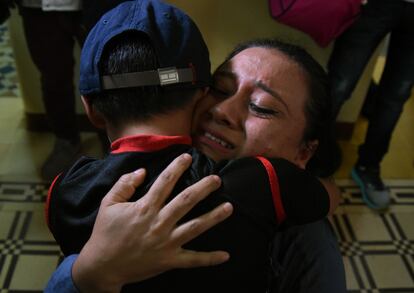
(133, 241)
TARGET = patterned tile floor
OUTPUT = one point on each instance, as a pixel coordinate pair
(28, 252)
(8, 77)
(378, 249)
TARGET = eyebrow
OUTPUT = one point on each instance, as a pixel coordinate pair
(259, 84)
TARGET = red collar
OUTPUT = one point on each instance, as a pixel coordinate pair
(146, 143)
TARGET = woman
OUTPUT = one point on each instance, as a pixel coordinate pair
(273, 101)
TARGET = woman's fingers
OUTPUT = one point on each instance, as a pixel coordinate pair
(188, 198)
(194, 259)
(124, 188)
(191, 229)
(166, 181)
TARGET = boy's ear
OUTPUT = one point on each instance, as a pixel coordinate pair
(94, 116)
(201, 93)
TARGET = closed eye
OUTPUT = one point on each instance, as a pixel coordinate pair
(260, 111)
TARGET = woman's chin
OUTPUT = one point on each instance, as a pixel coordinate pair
(210, 153)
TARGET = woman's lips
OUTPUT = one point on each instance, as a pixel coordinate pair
(215, 142)
(218, 140)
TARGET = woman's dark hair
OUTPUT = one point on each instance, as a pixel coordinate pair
(133, 52)
(318, 109)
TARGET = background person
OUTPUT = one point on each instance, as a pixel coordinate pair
(51, 29)
(351, 53)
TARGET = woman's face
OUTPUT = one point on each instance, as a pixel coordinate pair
(256, 107)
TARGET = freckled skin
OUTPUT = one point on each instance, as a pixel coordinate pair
(239, 118)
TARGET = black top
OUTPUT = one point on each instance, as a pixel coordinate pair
(264, 193)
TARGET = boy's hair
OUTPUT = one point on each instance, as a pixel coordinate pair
(143, 58)
(128, 52)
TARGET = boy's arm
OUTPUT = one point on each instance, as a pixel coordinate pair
(269, 187)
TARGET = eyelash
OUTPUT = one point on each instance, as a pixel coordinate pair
(262, 112)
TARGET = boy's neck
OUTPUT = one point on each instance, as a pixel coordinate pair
(174, 123)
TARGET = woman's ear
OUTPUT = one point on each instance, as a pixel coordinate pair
(307, 150)
(94, 116)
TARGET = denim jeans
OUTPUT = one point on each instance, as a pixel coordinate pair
(352, 52)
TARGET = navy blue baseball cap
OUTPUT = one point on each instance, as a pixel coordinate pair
(182, 53)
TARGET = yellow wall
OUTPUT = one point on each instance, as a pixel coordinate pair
(224, 23)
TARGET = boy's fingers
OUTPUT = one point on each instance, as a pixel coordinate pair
(191, 229)
(166, 181)
(188, 198)
(124, 188)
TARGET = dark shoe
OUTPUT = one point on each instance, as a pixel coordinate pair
(374, 193)
(63, 155)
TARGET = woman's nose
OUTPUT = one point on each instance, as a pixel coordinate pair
(228, 112)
